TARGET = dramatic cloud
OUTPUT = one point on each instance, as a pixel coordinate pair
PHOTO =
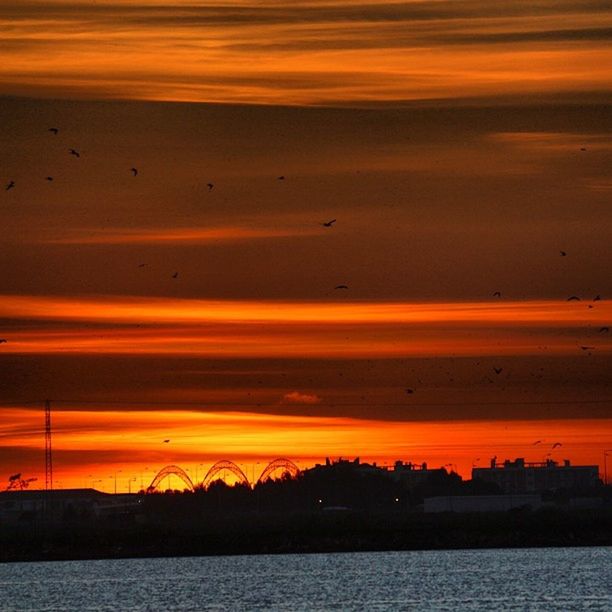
(304, 52)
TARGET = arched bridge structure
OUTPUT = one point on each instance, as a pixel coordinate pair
(170, 470)
(219, 467)
(286, 465)
(283, 465)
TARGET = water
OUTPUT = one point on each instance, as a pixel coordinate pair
(561, 579)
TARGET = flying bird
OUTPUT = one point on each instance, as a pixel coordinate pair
(498, 370)
(573, 298)
(604, 330)
(341, 287)
(210, 186)
(587, 348)
(280, 178)
(557, 444)
(166, 441)
(134, 171)
(49, 178)
(175, 275)
(142, 265)
(563, 253)
(537, 442)
(328, 223)
(583, 148)
(3, 340)
(497, 294)
(409, 391)
(54, 130)
(10, 185)
(597, 298)
(75, 153)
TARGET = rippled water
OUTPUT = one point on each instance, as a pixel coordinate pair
(530, 579)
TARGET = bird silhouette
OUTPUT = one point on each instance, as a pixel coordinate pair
(142, 265)
(583, 148)
(537, 442)
(563, 253)
(497, 294)
(166, 441)
(604, 330)
(328, 223)
(49, 178)
(75, 153)
(175, 275)
(587, 348)
(3, 340)
(210, 186)
(341, 287)
(556, 444)
(597, 298)
(280, 178)
(10, 185)
(54, 130)
(409, 391)
(498, 370)
(573, 298)
(134, 171)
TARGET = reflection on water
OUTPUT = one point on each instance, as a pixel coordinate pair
(531, 579)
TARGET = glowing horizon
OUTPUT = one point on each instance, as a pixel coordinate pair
(89, 444)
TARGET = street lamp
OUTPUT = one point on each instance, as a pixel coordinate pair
(117, 472)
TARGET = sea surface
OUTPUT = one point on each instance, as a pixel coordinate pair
(519, 579)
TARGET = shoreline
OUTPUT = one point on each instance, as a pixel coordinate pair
(307, 533)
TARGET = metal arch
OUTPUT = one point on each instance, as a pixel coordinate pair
(167, 471)
(279, 464)
(224, 464)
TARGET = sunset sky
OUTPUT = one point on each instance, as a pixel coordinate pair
(463, 149)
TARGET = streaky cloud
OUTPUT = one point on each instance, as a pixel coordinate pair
(305, 52)
(160, 236)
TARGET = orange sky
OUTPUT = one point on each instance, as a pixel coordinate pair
(133, 444)
(304, 52)
(447, 162)
(301, 329)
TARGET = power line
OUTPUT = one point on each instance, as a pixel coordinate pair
(407, 404)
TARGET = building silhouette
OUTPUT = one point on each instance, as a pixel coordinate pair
(519, 476)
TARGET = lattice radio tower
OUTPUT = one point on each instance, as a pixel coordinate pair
(48, 453)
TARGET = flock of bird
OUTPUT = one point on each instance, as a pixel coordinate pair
(210, 186)
(328, 224)
(55, 131)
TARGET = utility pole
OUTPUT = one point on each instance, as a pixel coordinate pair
(48, 451)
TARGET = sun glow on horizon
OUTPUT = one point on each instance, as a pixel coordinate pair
(88, 445)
